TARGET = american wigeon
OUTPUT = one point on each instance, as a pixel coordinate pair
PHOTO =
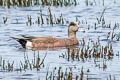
(29, 42)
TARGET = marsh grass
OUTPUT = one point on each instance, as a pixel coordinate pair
(59, 2)
(50, 19)
(91, 51)
(67, 74)
(101, 20)
(112, 35)
(28, 3)
(96, 2)
(26, 64)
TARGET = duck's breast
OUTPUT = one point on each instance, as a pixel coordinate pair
(70, 42)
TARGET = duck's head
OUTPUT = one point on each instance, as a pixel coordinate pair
(73, 28)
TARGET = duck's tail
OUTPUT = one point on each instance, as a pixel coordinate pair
(23, 42)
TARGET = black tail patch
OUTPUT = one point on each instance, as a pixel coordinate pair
(21, 41)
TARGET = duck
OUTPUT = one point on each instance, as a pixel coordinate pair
(32, 42)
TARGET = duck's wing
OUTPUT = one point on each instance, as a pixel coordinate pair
(41, 39)
(45, 40)
(33, 37)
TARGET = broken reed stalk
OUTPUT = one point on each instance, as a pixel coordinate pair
(102, 15)
(42, 21)
(50, 16)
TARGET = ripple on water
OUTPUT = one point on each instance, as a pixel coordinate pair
(27, 75)
(23, 78)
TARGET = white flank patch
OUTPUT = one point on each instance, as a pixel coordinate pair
(29, 45)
